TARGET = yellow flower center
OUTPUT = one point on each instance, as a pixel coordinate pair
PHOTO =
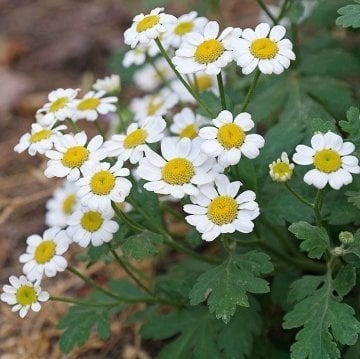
(209, 51)
(264, 48)
(230, 135)
(183, 28)
(75, 156)
(147, 23)
(222, 210)
(68, 204)
(88, 104)
(102, 183)
(58, 104)
(91, 221)
(39, 136)
(45, 251)
(153, 107)
(327, 161)
(281, 171)
(178, 171)
(203, 82)
(26, 295)
(135, 138)
(189, 131)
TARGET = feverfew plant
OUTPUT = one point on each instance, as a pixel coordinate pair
(261, 175)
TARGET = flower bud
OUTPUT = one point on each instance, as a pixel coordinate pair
(346, 238)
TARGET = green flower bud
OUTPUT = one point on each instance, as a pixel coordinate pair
(346, 238)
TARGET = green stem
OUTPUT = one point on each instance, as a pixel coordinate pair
(82, 302)
(251, 90)
(317, 207)
(126, 220)
(221, 90)
(94, 285)
(267, 11)
(299, 197)
(128, 271)
(196, 85)
(283, 11)
(170, 242)
(187, 86)
(73, 125)
(99, 128)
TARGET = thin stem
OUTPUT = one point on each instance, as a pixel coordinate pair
(299, 197)
(128, 221)
(283, 11)
(82, 302)
(221, 90)
(73, 124)
(196, 84)
(170, 242)
(317, 207)
(251, 90)
(187, 86)
(267, 11)
(94, 285)
(99, 128)
(128, 271)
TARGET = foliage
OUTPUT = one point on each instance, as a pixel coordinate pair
(350, 16)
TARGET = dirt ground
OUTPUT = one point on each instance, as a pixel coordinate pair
(44, 45)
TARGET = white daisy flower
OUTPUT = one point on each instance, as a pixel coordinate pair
(92, 105)
(186, 123)
(133, 145)
(184, 25)
(135, 56)
(281, 170)
(219, 209)
(228, 140)
(58, 108)
(331, 158)
(154, 75)
(103, 183)
(109, 84)
(263, 48)
(208, 52)
(157, 104)
(44, 254)
(204, 82)
(147, 27)
(40, 139)
(23, 295)
(87, 226)
(61, 205)
(71, 153)
(179, 171)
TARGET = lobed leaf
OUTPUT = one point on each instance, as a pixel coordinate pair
(350, 16)
(315, 239)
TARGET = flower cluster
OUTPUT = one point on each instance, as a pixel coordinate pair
(168, 143)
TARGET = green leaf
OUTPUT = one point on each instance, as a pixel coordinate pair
(304, 287)
(196, 331)
(334, 95)
(237, 338)
(345, 280)
(124, 288)
(350, 16)
(226, 286)
(352, 125)
(353, 197)
(141, 245)
(315, 239)
(199, 335)
(80, 321)
(334, 62)
(318, 124)
(325, 321)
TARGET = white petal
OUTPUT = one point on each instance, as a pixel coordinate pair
(277, 33)
(262, 30)
(316, 178)
(211, 30)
